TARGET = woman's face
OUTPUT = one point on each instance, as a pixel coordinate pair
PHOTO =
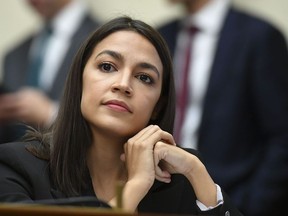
(121, 84)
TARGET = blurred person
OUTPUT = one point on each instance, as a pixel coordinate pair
(237, 112)
(115, 123)
(35, 70)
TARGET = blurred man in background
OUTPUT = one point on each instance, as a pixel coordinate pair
(35, 71)
(236, 106)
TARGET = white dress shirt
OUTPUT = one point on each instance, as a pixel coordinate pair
(64, 25)
(209, 21)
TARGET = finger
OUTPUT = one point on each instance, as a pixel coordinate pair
(146, 138)
(160, 134)
(145, 134)
(140, 133)
(168, 138)
(160, 174)
(163, 177)
(154, 134)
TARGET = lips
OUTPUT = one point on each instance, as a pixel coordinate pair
(118, 105)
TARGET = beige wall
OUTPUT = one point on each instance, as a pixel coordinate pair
(17, 20)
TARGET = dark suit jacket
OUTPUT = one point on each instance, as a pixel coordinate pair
(16, 64)
(243, 135)
(24, 178)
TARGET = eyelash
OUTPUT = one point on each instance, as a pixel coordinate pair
(138, 76)
(151, 82)
(102, 65)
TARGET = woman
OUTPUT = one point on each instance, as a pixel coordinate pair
(115, 123)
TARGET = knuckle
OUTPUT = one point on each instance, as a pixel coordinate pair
(129, 142)
(156, 127)
(136, 144)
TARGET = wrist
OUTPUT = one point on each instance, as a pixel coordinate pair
(202, 183)
(131, 198)
(195, 166)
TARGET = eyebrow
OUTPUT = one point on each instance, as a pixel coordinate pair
(149, 66)
(114, 54)
(120, 57)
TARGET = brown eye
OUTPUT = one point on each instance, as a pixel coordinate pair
(106, 67)
(145, 78)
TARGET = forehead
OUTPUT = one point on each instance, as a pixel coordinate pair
(132, 45)
(124, 36)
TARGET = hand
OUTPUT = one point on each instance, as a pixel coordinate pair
(139, 158)
(173, 159)
(28, 105)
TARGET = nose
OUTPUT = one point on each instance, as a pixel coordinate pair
(123, 85)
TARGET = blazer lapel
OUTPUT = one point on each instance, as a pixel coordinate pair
(169, 33)
(222, 67)
(88, 25)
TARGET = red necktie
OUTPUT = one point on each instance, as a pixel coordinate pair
(183, 90)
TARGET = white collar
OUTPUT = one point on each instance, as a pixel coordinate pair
(68, 20)
(211, 17)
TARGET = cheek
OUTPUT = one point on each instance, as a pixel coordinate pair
(89, 100)
(85, 104)
(147, 106)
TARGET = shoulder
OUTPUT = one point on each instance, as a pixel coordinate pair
(169, 26)
(251, 24)
(17, 149)
(24, 177)
(16, 155)
(90, 20)
(13, 148)
(88, 25)
(20, 47)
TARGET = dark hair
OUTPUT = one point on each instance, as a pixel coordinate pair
(71, 136)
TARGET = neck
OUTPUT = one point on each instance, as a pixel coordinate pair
(195, 6)
(104, 155)
(105, 167)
